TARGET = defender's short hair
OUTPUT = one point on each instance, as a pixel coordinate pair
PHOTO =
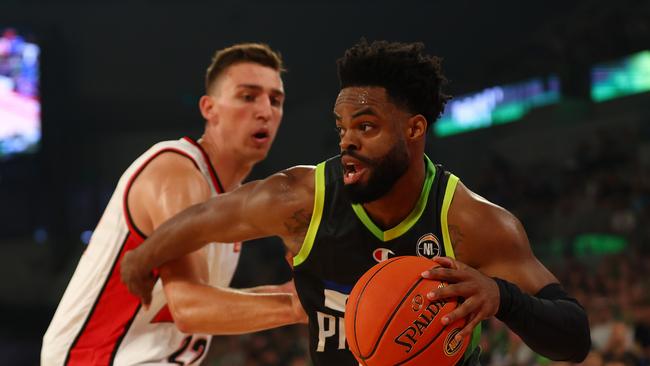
(258, 53)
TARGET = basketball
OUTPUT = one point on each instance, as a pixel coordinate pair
(390, 321)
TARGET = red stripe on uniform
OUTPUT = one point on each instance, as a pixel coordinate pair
(109, 318)
(125, 204)
(163, 316)
(216, 183)
(115, 308)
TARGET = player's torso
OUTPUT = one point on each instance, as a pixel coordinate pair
(98, 322)
(347, 243)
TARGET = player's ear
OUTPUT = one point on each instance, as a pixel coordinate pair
(206, 106)
(416, 127)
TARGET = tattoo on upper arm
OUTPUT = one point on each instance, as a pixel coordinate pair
(456, 236)
(298, 224)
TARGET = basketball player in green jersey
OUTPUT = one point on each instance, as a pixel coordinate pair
(383, 197)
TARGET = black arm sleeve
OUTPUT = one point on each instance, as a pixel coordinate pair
(551, 323)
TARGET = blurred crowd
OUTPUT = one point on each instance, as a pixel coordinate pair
(603, 189)
(286, 346)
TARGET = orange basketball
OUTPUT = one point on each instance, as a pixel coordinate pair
(390, 321)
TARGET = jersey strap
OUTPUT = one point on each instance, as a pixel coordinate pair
(317, 214)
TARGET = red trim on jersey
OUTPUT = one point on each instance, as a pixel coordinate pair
(109, 319)
(115, 307)
(125, 202)
(163, 316)
(213, 173)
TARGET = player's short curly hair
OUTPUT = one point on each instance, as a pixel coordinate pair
(258, 53)
(412, 79)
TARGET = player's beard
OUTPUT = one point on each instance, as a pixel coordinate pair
(383, 173)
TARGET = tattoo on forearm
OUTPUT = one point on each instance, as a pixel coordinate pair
(298, 224)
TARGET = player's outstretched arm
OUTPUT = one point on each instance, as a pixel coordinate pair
(169, 184)
(198, 308)
(256, 209)
(498, 275)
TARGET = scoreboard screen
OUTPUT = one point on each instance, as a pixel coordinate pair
(20, 106)
(496, 105)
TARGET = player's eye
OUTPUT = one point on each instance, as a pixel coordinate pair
(366, 126)
(339, 131)
(276, 102)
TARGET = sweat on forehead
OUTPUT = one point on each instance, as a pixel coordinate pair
(362, 95)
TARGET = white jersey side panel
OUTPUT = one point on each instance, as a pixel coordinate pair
(103, 324)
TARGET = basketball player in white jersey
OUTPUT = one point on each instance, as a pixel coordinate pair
(98, 322)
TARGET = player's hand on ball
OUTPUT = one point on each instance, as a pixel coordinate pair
(138, 278)
(480, 292)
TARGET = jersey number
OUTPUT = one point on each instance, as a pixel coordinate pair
(327, 327)
(189, 349)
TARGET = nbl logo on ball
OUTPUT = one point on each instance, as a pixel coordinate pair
(452, 345)
(428, 246)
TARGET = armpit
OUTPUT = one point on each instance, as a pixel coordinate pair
(297, 226)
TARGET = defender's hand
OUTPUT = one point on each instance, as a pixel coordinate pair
(480, 292)
(137, 277)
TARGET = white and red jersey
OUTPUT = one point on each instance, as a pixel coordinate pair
(98, 322)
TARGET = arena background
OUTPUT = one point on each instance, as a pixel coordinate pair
(118, 76)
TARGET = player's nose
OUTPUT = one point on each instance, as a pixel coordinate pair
(264, 109)
(348, 141)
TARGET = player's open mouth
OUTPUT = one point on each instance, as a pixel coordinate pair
(352, 172)
(261, 136)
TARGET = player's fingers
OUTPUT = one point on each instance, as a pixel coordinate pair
(146, 300)
(443, 274)
(445, 292)
(468, 328)
(462, 311)
(145, 305)
(148, 290)
(141, 289)
(445, 262)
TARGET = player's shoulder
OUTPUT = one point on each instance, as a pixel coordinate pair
(169, 170)
(475, 214)
(299, 174)
(471, 204)
(293, 185)
(170, 163)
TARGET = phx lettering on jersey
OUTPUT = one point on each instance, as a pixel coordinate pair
(329, 325)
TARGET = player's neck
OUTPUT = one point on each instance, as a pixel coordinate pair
(229, 166)
(391, 209)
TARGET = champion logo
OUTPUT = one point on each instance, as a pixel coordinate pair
(428, 246)
(381, 254)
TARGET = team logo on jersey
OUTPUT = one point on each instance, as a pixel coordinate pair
(381, 254)
(428, 246)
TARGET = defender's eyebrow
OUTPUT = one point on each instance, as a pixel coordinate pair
(260, 88)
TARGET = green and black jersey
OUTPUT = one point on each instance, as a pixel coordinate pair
(342, 243)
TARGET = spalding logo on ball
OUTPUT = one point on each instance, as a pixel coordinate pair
(390, 321)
